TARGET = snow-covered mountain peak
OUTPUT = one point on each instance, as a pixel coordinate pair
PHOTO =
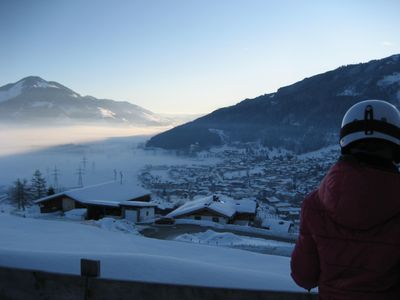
(37, 82)
(35, 100)
(32, 83)
(13, 90)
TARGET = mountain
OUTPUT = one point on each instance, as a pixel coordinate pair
(304, 116)
(34, 100)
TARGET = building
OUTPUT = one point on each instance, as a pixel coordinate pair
(218, 209)
(246, 211)
(138, 211)
(277, 225)
(101, 200)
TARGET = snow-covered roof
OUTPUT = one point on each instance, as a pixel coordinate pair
(109, 193)
(277, 224)
(221, 205)
(273, 199)
(246, 206)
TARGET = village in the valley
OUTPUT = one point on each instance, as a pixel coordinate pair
(276, 180)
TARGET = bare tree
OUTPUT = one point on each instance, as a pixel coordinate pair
(20, 193)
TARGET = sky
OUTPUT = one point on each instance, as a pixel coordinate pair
(189, 56)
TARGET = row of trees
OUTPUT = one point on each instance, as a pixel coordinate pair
(23, 192)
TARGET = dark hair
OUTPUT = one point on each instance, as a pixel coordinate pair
(374, 147)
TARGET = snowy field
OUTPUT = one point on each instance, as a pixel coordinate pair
(56, 246)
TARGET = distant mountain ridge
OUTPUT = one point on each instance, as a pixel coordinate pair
(34, 100)
(304, 116)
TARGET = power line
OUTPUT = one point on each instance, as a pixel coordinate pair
(80, 173)
(55, 174)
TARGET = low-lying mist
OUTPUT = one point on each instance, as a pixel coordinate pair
(98, 152)
(20, 139)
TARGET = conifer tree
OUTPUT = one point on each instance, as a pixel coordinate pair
(50, 191)
(38, 185)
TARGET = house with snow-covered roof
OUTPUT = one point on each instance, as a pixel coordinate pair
(105, 199)
(219, 209)
(277, 225)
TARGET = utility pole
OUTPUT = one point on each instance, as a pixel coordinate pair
(55, 174)
(84, 162)
(80, 173)
(47, 174)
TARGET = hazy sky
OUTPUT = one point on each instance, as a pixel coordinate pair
(185, 55)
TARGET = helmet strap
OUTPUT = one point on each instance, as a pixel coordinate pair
(368, 117)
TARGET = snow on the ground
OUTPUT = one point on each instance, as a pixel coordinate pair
(349, 91)
(78, 214)
(389, 79)
(56, 246)
(6, 207)
(115, 225)
(320, 153)
(11, 92)
(106, 113)
(227, 239)
(161, 175)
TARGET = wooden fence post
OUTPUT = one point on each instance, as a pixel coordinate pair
(89, 268)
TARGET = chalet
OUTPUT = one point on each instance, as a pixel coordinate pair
(219, 209)
(277, 225)
(245, 211)
(106, 199)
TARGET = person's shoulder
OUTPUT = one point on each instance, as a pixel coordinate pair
(311, 200)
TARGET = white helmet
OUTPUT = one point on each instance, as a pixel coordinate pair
(370, 119)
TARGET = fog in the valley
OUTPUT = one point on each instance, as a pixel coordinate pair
(99, 154)
(19, 139)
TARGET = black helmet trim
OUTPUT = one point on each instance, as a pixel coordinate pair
(368, 126)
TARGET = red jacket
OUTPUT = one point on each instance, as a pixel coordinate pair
(349, 242)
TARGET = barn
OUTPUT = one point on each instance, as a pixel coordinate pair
(106, 199)
(138, 211)
(218, 209)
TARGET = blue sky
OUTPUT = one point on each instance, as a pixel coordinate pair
(189, 56)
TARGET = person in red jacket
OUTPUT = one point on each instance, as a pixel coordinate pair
(349, 241)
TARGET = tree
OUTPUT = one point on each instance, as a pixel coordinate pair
(38, 185)
(50, 191)
(20, 193)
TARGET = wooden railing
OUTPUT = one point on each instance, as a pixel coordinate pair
(28, 284)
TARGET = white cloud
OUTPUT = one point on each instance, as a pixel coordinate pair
(387, 43)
